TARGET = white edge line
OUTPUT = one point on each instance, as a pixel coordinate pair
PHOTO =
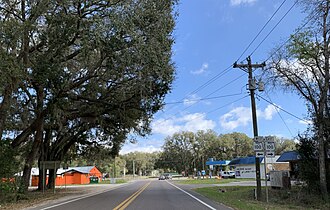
(202, 202)
(82, 197)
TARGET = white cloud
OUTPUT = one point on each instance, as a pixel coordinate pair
(269, 112)
(202, 70)
(139, 148)
(190, 122)
(240, 2)
(241, 116)
(165, 126)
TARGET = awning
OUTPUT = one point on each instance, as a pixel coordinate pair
(289, 156)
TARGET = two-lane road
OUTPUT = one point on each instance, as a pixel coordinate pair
(144, 194)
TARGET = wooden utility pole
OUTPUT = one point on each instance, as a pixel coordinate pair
(252, 87)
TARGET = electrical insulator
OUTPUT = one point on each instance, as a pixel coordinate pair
(252, 84)
(261, 86)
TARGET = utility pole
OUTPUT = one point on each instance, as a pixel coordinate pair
(133, 169)
(252, 87)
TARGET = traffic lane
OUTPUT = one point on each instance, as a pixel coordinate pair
(106, 200)
(164, 195)
(190, 189)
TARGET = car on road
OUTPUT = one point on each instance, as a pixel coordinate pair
(161, 177)
(227, 174)
(168, 176)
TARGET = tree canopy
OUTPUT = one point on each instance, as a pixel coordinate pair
(302, 66)
(82, 72)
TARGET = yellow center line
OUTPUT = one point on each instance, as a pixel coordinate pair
(129, 200)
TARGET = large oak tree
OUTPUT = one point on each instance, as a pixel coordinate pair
(77, 72)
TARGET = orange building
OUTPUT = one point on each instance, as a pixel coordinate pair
(72, 175)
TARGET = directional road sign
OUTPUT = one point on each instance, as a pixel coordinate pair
(258, 146)
(259, 138)
(270, 154)
(260, 154)
(270, 146)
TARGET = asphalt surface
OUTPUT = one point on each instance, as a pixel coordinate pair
(141, 194)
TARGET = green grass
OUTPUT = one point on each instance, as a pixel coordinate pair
(118, 181)
(210, 181)
(242, 197)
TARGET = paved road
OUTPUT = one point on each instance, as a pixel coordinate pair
(143, 194)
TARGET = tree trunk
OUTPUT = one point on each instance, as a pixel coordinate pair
(51, 179)
(43, 157)
(322, 105)
(28, 165)
(37, 140)
(323, 171)
(4, 109)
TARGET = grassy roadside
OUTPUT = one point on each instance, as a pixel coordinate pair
(210, 181)
(242, 197)
(34, 197)
(118, 181)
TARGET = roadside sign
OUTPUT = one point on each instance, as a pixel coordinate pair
(50, 164)
(270, 154)
(259, 138)
(264, 146)
(270, 146)
(258, 146)
(260, 154)
(269, 138)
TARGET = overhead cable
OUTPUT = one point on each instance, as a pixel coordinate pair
(278, 107)
(274, 28)
(260, 31)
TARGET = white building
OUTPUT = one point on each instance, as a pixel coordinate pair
(246, 168)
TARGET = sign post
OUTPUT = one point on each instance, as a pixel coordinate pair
(264, 147)
(49, 165)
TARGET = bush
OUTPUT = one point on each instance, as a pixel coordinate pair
(8, 168)
(308, 164)
(8, 191)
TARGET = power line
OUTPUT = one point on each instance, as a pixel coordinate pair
(260, 31)
(279, 114)
(278, 107)
(237, 78)
(213, 109)
(274, 28)
(203, 99)
(211, 94)
(207, 83)
(297, 31)
(226, 70)
(227, 104)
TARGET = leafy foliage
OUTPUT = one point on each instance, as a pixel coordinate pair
(308, 164)
(303, 66)
(8, 167)
(81, 74)
(9, 163)
(186, 150)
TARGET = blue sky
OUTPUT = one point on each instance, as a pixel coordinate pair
(210, 36)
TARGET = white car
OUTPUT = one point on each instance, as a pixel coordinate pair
(227, 174)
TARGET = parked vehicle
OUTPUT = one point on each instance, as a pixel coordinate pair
(227, 174)
(168, 176)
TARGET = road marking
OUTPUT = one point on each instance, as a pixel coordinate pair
(130, 199)
(202, 202)
(82, 197)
